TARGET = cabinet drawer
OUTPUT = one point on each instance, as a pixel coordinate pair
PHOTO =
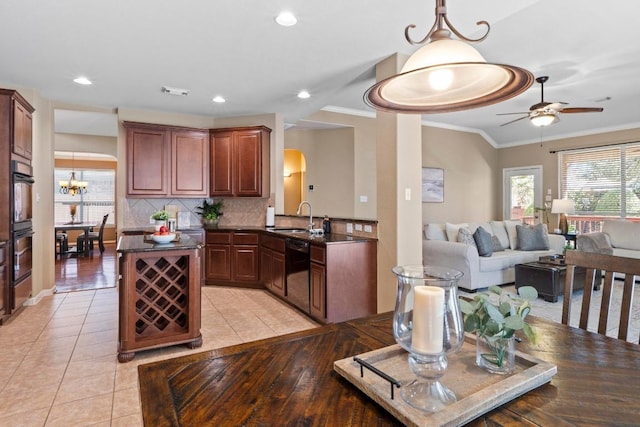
(218, 238)
(274, 243)
(245, 238)
(318, 254)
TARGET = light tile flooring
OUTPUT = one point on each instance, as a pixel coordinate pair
(58, 358)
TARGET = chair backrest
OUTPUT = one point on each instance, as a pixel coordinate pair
(595, 263)
(104, 221)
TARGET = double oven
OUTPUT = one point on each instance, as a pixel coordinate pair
(21, 234)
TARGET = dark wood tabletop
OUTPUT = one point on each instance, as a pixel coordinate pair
(289, 380)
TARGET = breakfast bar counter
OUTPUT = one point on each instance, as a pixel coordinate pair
(159, 294)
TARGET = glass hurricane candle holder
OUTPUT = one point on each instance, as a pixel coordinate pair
(427, 322)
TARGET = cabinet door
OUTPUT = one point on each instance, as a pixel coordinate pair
(221, 164)
(189, 160)
(147, 162)
(266, 259)
(218, 262)
(318, 301)
(245, 263)
(248, 163)
(277, 274)
(22, 141)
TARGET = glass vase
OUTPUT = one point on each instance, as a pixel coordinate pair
(427, 323)
(496, 354)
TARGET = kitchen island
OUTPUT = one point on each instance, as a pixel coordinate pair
(159, 294)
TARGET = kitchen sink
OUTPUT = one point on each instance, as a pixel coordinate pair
(288, 230)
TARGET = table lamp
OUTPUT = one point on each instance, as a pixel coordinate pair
(563, 207)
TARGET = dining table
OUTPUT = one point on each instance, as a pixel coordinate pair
(290, 380)
(85, 227)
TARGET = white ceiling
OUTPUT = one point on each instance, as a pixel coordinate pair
(130, 49)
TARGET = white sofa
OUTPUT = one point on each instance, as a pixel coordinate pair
(618, 237)
(441, 246)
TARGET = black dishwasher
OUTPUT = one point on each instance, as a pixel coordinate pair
(296, 265)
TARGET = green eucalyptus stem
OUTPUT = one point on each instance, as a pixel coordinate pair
(498, 350)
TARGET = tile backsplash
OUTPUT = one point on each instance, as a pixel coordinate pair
(236, 211)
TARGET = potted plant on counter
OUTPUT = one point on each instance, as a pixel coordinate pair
(210, 212)
(494, 316)
(160, 218)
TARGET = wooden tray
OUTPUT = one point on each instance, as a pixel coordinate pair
(478, 391)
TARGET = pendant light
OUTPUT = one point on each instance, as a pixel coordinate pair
(73, 186)
(447, 75)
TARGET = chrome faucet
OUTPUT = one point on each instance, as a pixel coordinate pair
(304, 202)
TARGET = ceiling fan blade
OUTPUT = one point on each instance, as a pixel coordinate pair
(582, 110)
(516, 120)
(558, 106)
(506, 114)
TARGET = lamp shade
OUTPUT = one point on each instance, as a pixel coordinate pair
(544, 119)
(562, 206)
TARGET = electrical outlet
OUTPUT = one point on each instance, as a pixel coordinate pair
(364, 199)
(151, 220)
(349, 228)
(368, 229)
(358, 227)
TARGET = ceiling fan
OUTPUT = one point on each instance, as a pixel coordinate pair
(547, 113)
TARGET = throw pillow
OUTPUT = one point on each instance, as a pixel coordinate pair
(465, 236)
(497, 246)
(483, 242)
(434, 232)
(452, 230)
(532, 238)
(501, 233)
(510, 225)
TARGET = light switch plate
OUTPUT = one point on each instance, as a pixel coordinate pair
(349, 228)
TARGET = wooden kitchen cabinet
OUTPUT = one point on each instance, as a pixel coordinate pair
(165, 161)
(232, 258)
(239, 162)
(272, 273)
(4, 281)
(343, 280)
(23, 125)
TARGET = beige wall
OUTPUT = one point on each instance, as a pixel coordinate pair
(472, 178)
(538, 154)
(329, 158)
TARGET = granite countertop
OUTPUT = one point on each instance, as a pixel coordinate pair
(127, 244)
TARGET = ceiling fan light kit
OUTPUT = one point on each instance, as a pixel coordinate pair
(447, 75)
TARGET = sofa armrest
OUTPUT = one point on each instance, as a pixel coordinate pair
(456, 255)
(557, 243)
(599, 242)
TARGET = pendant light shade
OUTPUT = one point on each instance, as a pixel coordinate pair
(545, 118)
(447, 75)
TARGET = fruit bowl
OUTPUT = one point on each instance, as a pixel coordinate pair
(163, 238)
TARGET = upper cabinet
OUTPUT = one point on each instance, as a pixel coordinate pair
(165, 161)
(16, 113)
(240, 162)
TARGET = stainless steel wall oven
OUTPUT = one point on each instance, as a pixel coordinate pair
(21, 233)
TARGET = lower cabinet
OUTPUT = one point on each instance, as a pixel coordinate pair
(4, 281)
(231, 258)
(272, 273)
(343, 278)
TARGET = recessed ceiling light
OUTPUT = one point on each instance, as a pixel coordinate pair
(303, 94)
(286, 19)
(219, 99)
(82, 81)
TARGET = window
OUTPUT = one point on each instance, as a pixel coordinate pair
(603, 183)
(98, 201)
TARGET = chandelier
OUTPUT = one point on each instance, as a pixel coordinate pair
(446, 75)
(73, 186)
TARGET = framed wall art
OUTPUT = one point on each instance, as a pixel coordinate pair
(432, 185)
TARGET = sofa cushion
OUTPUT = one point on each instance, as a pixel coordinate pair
(435, 232)
(500, 232)
(452, 230)
(532, 238)
(483, 242)
(510, 226)
(465, 236)
(473, 226)
(623, 234)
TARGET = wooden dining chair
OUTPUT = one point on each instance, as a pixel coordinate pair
(596, 264)
(62, 243)
(92, 237)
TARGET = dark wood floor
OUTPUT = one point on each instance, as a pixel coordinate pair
(78, 273)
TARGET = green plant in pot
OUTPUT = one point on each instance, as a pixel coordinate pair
(160, 215)
(494, 316)
(210, 211)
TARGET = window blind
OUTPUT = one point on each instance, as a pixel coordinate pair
(604, 181)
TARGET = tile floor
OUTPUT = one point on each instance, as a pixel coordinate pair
(59, 364)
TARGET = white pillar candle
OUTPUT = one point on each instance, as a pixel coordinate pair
(428, 319)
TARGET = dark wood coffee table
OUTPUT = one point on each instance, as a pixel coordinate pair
(547, 277)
